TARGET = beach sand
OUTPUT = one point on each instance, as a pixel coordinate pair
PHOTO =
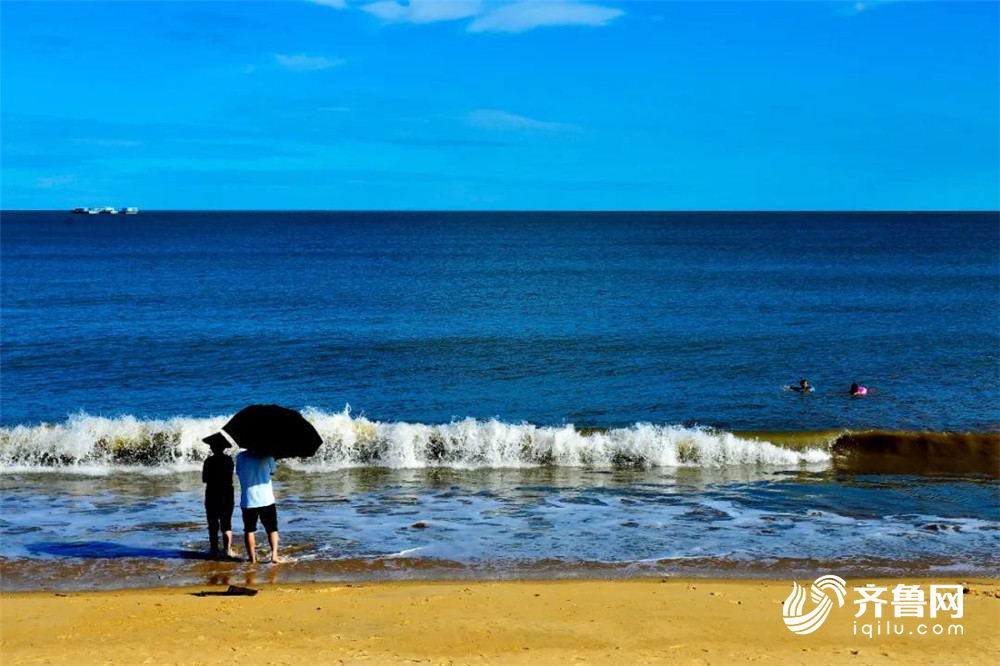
(639, 621)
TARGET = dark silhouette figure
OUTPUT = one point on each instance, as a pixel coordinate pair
(803, 387)
(217, 475)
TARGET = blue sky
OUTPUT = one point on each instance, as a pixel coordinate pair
(492, 104)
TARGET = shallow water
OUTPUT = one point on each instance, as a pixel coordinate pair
(139, 529)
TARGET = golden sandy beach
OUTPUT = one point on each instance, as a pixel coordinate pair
(520, 622)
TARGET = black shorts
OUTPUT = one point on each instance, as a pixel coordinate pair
(268, 517)
(219, 515)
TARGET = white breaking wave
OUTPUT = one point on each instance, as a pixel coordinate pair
(91, 443)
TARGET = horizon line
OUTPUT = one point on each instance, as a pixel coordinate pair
(527, 210)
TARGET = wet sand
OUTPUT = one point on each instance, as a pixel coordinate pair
(639, 621)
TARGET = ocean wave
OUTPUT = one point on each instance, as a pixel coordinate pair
(884, 452)
(94, 444)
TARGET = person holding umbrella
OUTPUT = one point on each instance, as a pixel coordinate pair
(257, 501)
(265, 432)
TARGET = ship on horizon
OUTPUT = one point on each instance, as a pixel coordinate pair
(106, 210)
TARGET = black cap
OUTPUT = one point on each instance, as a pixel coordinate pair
(217, 440)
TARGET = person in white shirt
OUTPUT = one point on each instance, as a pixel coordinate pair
(257, 501)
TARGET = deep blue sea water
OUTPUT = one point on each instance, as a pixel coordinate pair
(478, 353)
(602, 319)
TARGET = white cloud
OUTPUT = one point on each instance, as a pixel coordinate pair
(496, 119)
(858, 7)
(855, 8)
(529, 14)
(510, 16)
(336, 4)
(306, 63)
(423, 11)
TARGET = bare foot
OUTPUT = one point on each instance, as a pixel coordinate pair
(276, 560)
(231, 554)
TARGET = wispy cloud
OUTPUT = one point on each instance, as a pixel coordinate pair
(448, 142)
(424, 11)
(496, 119)
(306, 63)
(855, 8)
(46, 148)
(524, 16)
(510, 16)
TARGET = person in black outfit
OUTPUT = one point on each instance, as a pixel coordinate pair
(217, 475)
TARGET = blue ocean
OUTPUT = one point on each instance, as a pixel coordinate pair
(505, 393)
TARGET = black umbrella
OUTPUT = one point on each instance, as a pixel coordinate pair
(270, 430)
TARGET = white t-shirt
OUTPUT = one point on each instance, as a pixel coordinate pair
(255, 473)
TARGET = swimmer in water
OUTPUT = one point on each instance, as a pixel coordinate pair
(858, 390)
(803, 387)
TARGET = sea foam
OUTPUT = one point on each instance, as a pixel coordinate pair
(92, 443)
